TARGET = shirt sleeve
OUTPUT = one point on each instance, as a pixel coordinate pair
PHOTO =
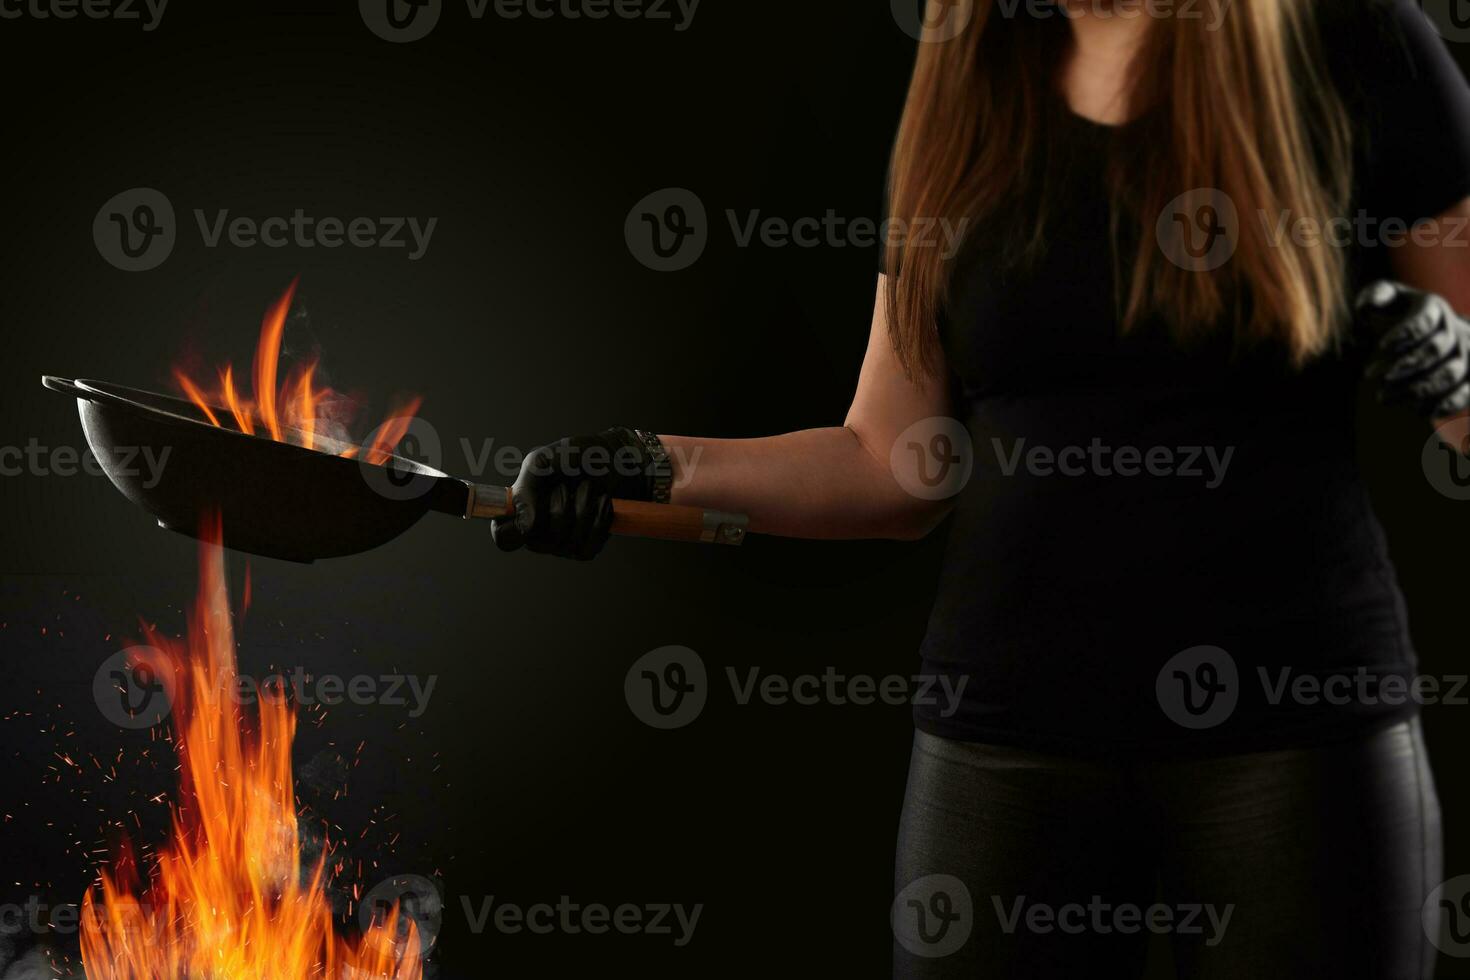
(1416, 123)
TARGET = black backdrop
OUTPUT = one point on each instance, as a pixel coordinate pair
(527, 778)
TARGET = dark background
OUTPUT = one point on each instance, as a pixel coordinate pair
(528, 778)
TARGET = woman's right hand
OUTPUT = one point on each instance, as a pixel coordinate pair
(564, 493)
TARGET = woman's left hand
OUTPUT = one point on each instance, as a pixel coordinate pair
(1422, 355)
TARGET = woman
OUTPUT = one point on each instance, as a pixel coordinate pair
(1163, 563)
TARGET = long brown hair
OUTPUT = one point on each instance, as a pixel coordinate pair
(1246, 109)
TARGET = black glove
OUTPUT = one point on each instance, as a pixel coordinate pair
(564, 493)
(1422, 355)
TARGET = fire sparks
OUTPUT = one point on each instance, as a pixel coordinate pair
(290, 409)
(227, 897)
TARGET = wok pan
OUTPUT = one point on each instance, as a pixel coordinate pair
(286, 501)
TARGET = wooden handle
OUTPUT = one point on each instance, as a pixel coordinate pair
(671, 522)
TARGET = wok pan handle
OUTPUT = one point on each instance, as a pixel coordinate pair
(673, 522)
(634, 518)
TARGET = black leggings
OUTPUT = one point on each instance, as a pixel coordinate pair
(1295, 863)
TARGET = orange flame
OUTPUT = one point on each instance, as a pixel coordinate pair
(306, 409)
(227, 897)
(195, 395)
(288, 409)
(391, 432)
(267, 356)
(241, 412)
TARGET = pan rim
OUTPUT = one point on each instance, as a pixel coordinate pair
(117, 396)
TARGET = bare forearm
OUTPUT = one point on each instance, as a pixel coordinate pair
(817, 483)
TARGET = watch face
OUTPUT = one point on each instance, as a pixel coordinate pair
(655, 447)
(661, 467)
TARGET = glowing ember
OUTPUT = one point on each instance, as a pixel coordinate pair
(226, 896)
(291, 410)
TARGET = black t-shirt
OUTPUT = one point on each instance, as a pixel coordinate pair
(1134, 498)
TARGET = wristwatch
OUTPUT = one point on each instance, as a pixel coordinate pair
(660, 466)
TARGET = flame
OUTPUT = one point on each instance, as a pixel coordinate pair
(196, 396)
(241, 412)
(391, 432)
(227, 897)
(289, 409)
(306, 408)
(267, 356)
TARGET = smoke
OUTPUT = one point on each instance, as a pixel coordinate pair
(334, 411)
(321, 781)
(325, 775)
(35, 965)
